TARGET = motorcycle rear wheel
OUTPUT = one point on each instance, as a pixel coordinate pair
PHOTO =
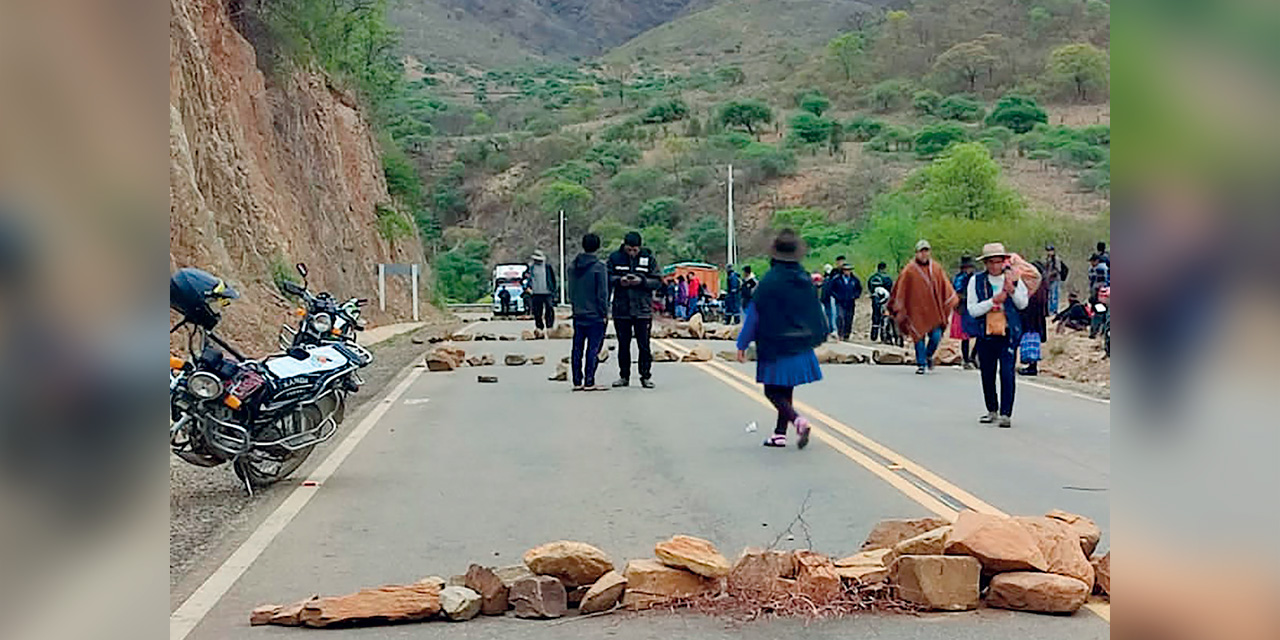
(261, 468)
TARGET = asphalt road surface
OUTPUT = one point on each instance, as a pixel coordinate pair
(442, 471)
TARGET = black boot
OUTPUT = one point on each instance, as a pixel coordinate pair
(1029, 370)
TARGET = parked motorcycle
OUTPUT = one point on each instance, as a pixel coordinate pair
(263, 416)
(322, 318)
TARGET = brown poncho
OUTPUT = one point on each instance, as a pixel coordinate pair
(922, 299)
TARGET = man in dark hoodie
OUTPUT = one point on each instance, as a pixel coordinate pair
(633, 277)
(589, 286)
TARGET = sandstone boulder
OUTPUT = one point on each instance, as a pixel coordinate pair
(382, 605)
(929, 543)
(561, 374)
(456, 581)
(873, 558)
(604, 594)
(459, 603)
(727, 356)
(760, 571)
(507, 338)
(1102, 573)
(948, 355)
(650, 582)
(1034, 591)
(604, 355)
(827, 356)
(1087, 529)
(290, 615)
(816, 577)
(539, 597)
(562, 331)
(574, 563)
(493, 591)
(509, 575)
(880, 356)
(853, 358)
(863, 576)
(481, 337)
(537, 359)
(262, 615)
(887, 533)
(461, 337)
(697, 354)
(528, 334)
(515, 360)
(445, 358)
(1000, 543)
(575, 596)
(942, 583)
(480, 360)
(665, 355)
(695, 554)
(1061, 548)
(696, 328)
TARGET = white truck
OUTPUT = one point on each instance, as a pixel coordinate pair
(509, 278)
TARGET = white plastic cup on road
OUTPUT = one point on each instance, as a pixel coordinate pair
(751, 427)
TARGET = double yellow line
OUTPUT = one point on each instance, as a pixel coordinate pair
(930, 490)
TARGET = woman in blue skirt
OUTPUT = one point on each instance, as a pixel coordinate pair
(786, 322)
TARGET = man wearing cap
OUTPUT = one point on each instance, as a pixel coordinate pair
(921, 303)
(542, 291)
(633, 277)
(1055, 272)
(999, 329)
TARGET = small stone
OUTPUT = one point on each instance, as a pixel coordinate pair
(537, 359)
(728, 356)
(516, 360)
(574, 563)
(561, 331)
(887, 533)
(1102, 573)
(493, 591)
(461, 337)
(826, 356)
(459, 603)
(816, 577)
(665, 355)
(943, 583)
(528, 334)
(539, 597)
(695, 554)
(698, 354)
(604, 355)
(456, 581)
(561, 374)
(445, 358)
(262, 615)
(507, 338)
(604, 594)
(416, 340)
(487, 379)
(888, 357)
(510, 574)
(1039, 592)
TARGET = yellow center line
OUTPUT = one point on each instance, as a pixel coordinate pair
(746, 385)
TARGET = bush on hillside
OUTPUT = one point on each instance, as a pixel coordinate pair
(764, 162)
(935, 138)
(806, 128)
(926, 102)
(892, 138)
(668, 111)
(961, 107)
(659, 212)
(864, 128)
(890, 95)
(461, 273)
(1018, 113)
(612, 156)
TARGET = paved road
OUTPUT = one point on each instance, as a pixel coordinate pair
(455, 472)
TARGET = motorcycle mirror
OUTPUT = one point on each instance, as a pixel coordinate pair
(360, 302)
(302, 269)
(298, 353)
(292, 288)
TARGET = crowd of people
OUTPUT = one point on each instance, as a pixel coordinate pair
(998, 306)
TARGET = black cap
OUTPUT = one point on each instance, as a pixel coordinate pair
(882, 266)
(1049, 247)
(632, 239)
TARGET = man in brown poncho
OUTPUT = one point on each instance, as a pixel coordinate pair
(921, 303)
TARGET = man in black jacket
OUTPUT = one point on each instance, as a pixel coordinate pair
(541, 279)
(589, 286)
(633, 277)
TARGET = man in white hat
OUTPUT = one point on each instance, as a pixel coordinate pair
(542, 287)
(999, 329)
(921, 303)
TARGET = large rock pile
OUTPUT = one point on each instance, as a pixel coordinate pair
(1028, 564)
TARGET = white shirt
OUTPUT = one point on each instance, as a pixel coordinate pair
(977, 309)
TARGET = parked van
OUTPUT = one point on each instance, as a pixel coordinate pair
(509, 277)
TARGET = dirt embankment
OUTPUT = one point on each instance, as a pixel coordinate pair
(267, 171)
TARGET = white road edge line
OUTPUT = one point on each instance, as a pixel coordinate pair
(197, 606)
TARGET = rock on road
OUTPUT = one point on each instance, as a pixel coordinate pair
(457, 472)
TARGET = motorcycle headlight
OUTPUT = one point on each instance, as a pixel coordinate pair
(204, 385)
(322, 322)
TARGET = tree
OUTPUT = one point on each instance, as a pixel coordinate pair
(888, 94)
(1018, 113)
(847, 50)
(935, 138)
(708, 236)
(808, 128)
(612, 156)
(565, 196)
(814, 102)
(965, 183)
(961, 107)
(659, 212)
(746, 114)
(1082, 65)
(461, 273)
(864, 128)
(968, 60)
(669, 111)
(926, 102)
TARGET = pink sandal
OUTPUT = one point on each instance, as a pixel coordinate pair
(802, 428)
(776, 440)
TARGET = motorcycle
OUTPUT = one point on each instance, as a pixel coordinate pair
(322, 318)
(264, 416)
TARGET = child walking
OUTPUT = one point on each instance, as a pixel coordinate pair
(786, 321)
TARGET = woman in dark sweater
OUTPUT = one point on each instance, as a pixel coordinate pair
(786, 322)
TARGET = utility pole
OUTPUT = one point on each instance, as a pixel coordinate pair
(730, 253)
(562, 278)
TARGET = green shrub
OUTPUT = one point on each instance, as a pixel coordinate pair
(864, 128)
(892, 138)
(926, 102)
(765, 161)
(668, 111)
(814, 102)
(612, 156)
(961, 107)
(935, 138)
(1017, 113)
(731, 140)
(806, 128)
(391, 224)
(575, 171)
(461, 273)
(659, 212)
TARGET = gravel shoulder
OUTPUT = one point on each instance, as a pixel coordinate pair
(209, 512)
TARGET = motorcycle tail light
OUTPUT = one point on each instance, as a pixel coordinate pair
(300, 312)
(233, 402)
(336, 331)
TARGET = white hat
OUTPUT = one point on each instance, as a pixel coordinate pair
(993, 250)
(827, 268)
(922, 245)
(538, 256)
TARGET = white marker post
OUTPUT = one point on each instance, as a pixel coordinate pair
(562, 280)
(413, 273)
(729, 252)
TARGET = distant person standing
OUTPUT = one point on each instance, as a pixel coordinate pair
(732, 297)
(589, 285)
(542, 289)
(695, 293)
(999, 330)
(748, 286)
(843, 289)
(878, 280)
(633, 277)
(504, 298)
(1099, 276)
(1104, 256)
(921, 303)
(682, 298)
(786, 322)
(1055, 272)
(960, 320)
(1035, 329)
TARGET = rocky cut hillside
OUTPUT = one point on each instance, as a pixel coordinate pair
(265, 171)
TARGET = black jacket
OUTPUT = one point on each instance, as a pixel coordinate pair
(636, 302)
(790, 317)
(589, 288)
